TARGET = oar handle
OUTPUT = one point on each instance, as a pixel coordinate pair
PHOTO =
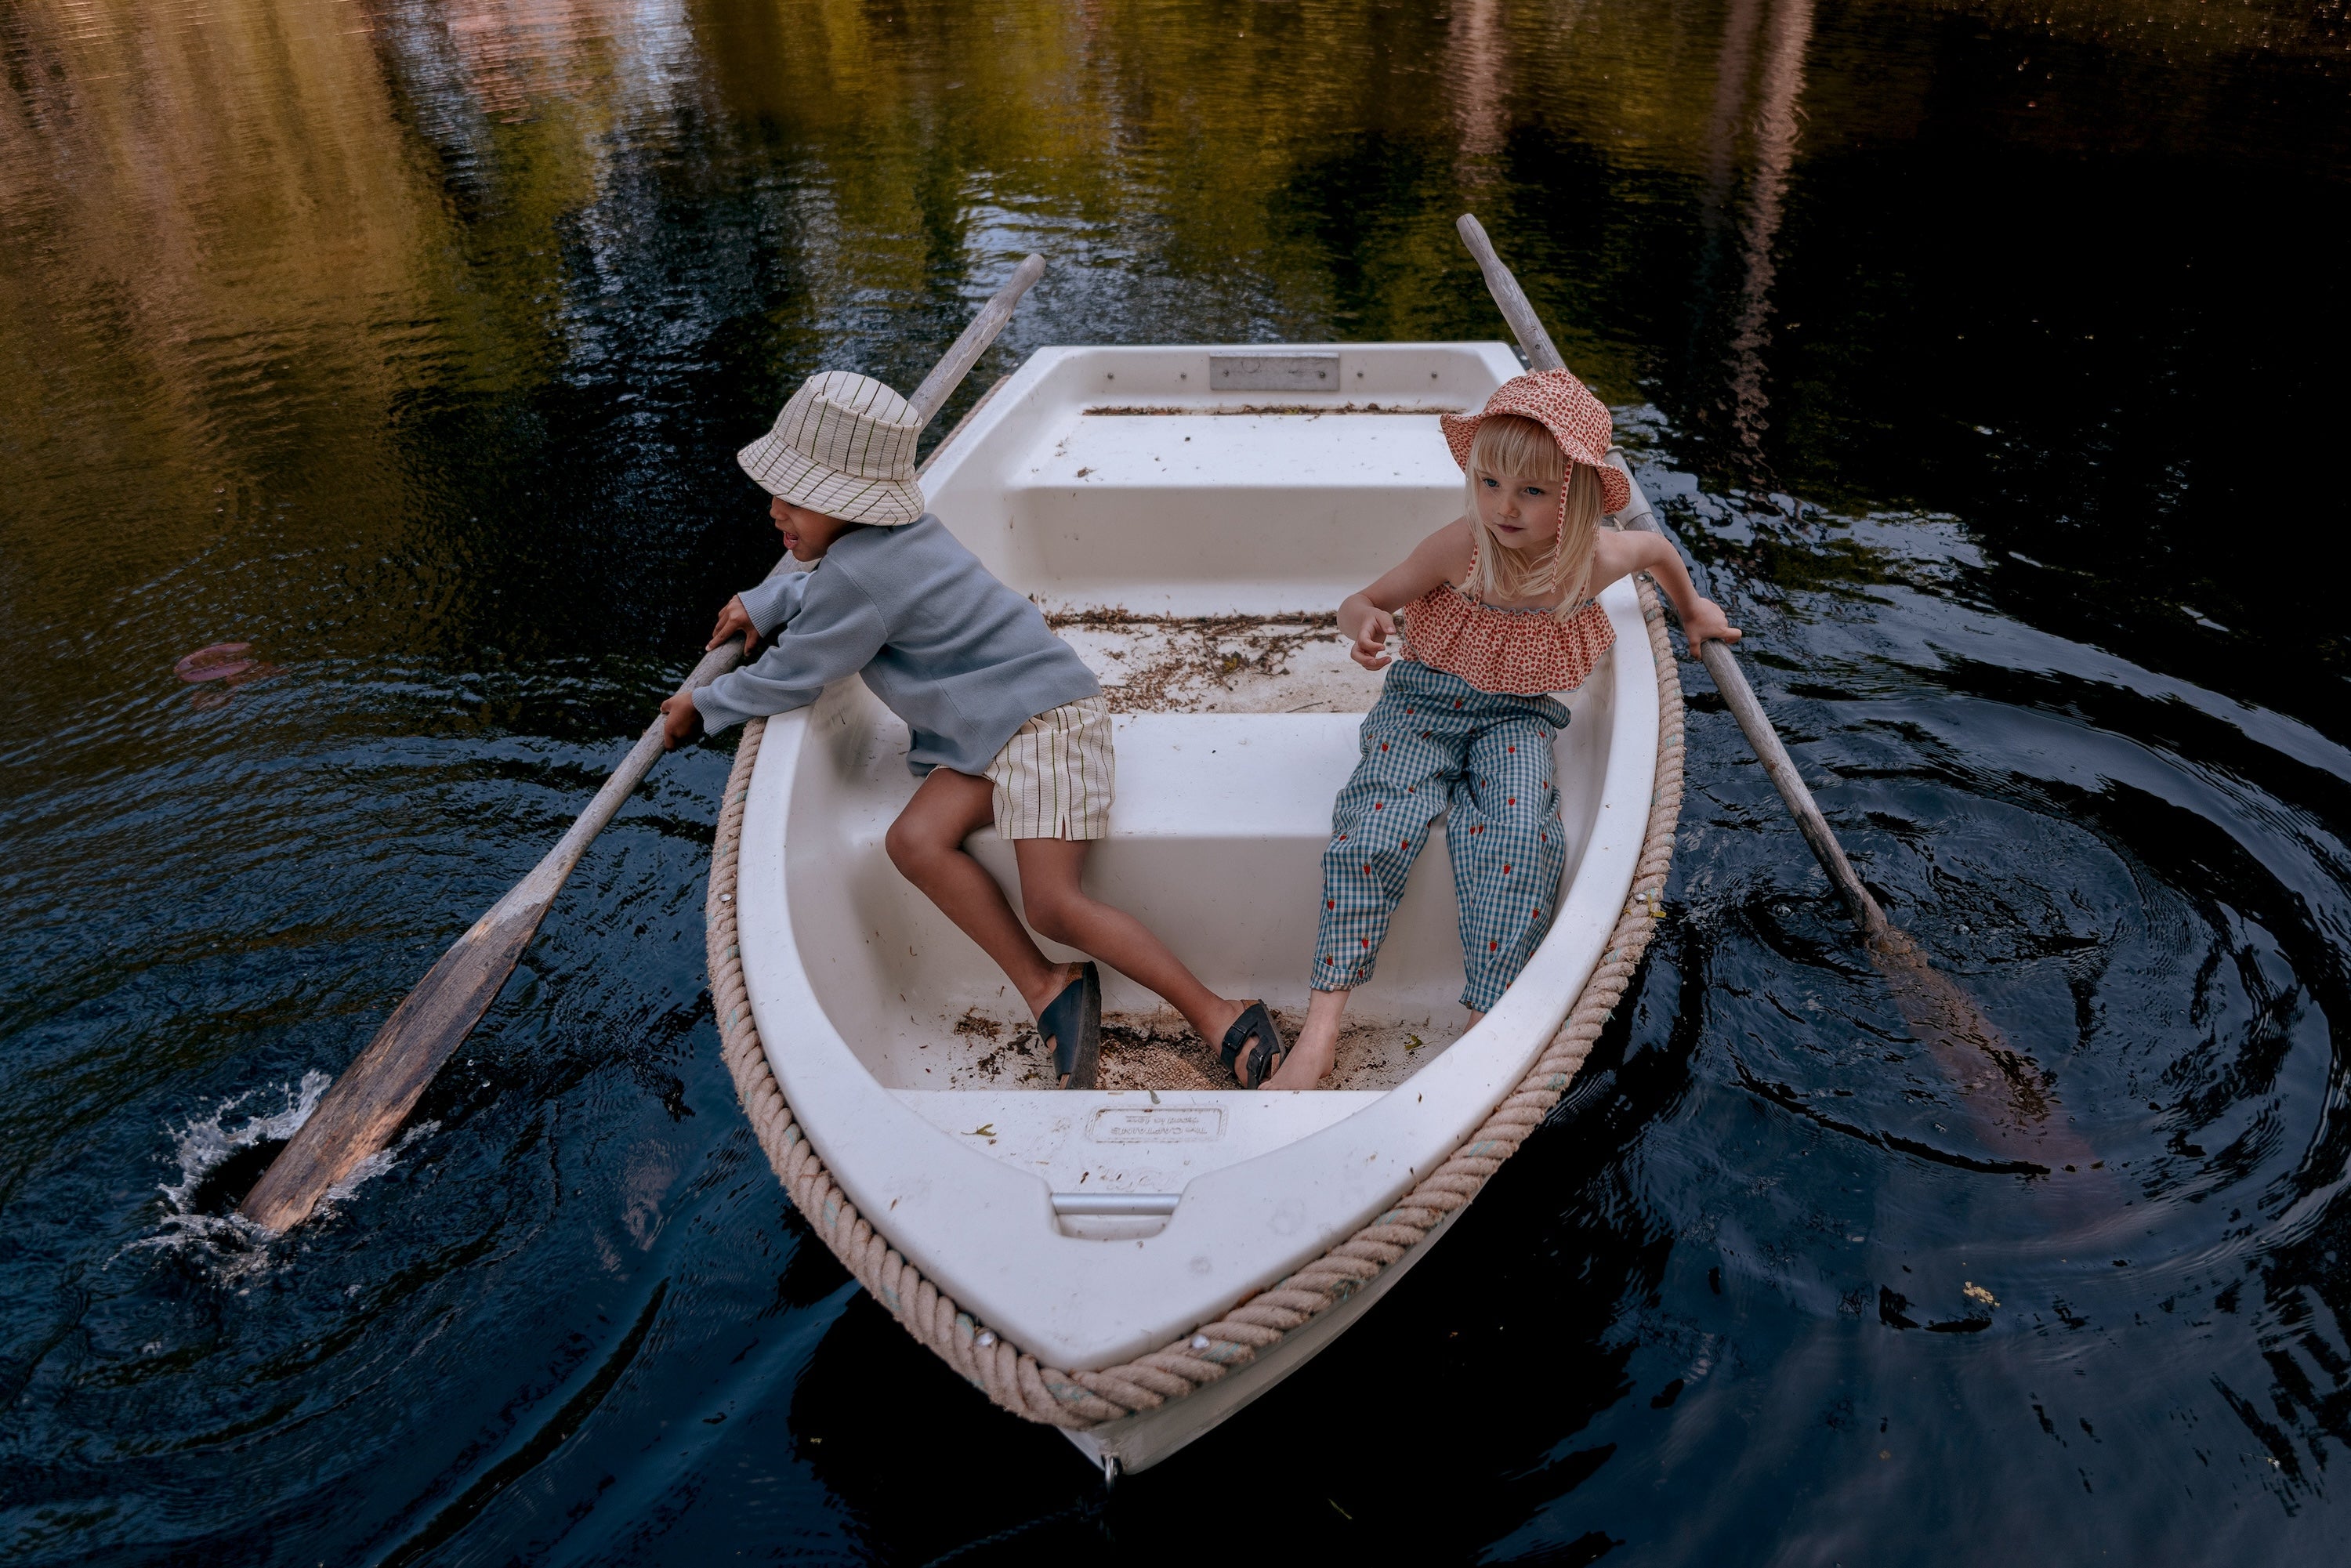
(1543, 354)
(948, 374)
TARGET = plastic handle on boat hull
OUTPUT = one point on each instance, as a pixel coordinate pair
(1115, 1204)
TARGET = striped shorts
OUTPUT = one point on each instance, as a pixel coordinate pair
(1055, 776)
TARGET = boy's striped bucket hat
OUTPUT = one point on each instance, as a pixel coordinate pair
(844, 445)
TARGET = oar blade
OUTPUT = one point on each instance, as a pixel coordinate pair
(364, 1109)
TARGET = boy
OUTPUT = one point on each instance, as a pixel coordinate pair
(1009, 724)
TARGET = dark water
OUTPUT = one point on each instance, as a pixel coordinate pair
(1990, 355)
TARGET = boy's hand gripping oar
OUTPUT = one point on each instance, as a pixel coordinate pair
(1962, 1040)
(369, 1102)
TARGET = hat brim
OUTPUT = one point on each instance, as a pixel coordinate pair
(781, 471)
(1615, 489)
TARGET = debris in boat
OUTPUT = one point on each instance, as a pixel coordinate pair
(1157, 1051)
(1133, 1059)
(984, 1130)
(1145, 411)
(975, 1022)
(1156, 1069)
(993, 1067)
(1204, 663)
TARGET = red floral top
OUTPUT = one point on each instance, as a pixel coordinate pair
(1524, 653)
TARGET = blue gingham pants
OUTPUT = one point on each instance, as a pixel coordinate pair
(1435, 745)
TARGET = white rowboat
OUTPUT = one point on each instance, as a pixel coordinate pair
(1190, 516)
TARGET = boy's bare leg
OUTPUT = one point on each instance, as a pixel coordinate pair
(1316, 1050)
(1064, 912)
(925, 843)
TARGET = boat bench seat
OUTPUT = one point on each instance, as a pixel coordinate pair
(1169, 512)
(1215, 843)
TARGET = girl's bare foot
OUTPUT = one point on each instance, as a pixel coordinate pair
(1316, 1050)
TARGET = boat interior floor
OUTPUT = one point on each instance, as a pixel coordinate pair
(1218, 664)
(1157, 1050)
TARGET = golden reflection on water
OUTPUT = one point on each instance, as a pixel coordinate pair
(314, 309)
(241, 232)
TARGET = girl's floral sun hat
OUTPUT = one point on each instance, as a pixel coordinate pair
(844, 445)
(1555, 400)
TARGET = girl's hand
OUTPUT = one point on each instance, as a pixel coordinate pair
(1706, 620)
(681, 720)
(1368, 638)
(732, 620)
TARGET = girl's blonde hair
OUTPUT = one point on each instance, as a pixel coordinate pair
(1510, 448)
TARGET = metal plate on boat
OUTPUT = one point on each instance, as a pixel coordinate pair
(1273, 372)
(1157, 1124)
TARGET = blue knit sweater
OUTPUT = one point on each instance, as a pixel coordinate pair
(962, 658)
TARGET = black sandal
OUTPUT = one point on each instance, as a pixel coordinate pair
(1072, 1023)
(1264, 1058)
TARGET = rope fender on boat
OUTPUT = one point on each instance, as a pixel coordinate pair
(1081, 1400)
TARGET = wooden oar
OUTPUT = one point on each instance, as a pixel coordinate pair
(367, 1104)
(1964, 1043)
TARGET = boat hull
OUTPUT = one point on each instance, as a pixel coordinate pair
(1139, 1441)
(1036, 1238)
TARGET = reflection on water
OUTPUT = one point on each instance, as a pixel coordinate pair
(1985, 355)
(1789, 29)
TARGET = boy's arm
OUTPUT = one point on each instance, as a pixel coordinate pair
(774, 602)
(1367, 619)
(835, 632)
(1621, 554)
(756, 612)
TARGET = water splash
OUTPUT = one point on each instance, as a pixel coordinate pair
(219, 1158)
(199, 1211)
(203, 1146)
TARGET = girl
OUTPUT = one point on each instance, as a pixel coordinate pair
(1499, 613)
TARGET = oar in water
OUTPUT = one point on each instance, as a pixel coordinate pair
(367, 1104)
(1965, 1044)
